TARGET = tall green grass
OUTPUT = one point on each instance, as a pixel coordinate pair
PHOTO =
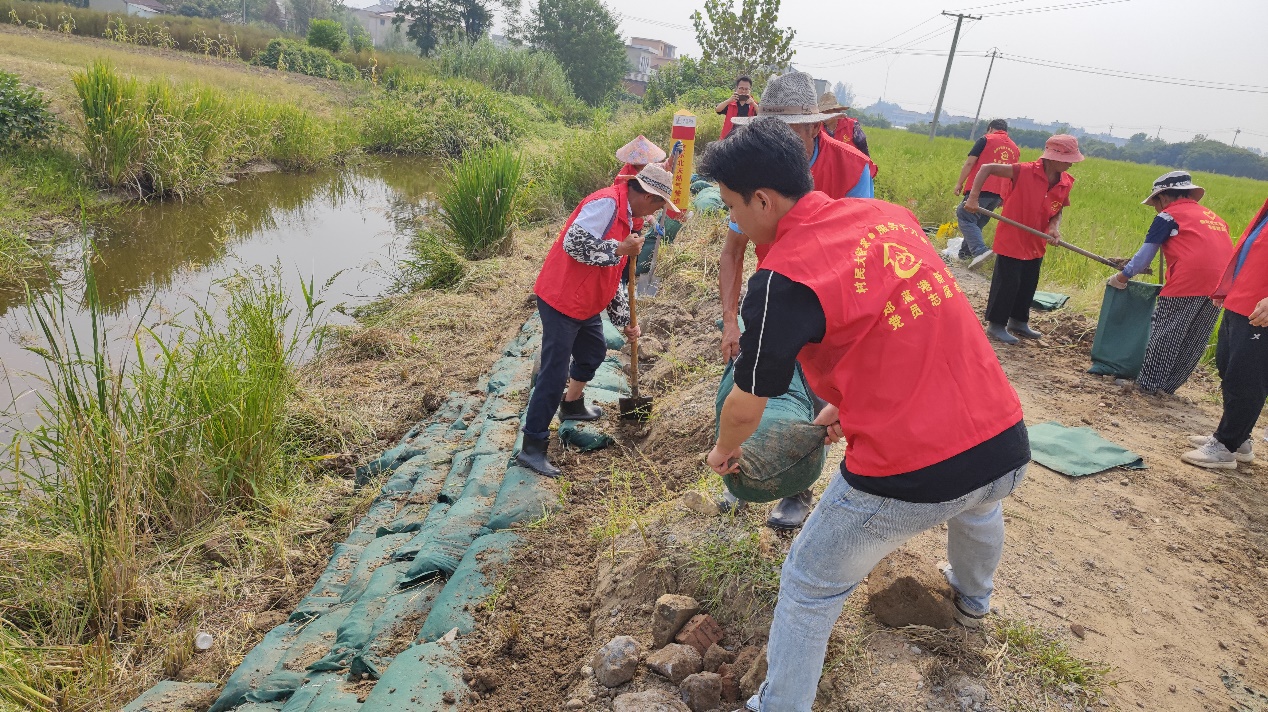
(479, 203)
(517, 70)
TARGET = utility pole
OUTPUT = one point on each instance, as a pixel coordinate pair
(1158, 133)
(946, 75)
(1235, 135)
(977, 117)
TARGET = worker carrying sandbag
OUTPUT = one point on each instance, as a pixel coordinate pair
(853, 292)
(1196, 247)
(580, 278)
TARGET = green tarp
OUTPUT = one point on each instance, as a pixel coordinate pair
(708, 199)
(1123, 329)
(1049, 301)
(1078, 451)
(584, 437)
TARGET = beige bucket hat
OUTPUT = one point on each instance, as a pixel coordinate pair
(658, 181)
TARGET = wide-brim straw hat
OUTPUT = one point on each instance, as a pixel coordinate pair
(1175, 180)
(791, 99)
(828, 104)
(640, 152)
(1063, 148)
(658, 181)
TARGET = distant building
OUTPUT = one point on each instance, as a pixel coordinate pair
(377, 21)
(135, 8)
(644, 57)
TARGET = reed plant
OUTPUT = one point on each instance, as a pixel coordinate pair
(517, 70)
(478, 205)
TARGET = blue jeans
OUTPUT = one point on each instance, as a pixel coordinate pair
(848, 533)
(565, 341)
(971, 224)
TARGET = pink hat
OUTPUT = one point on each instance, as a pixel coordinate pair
(1063, 148)
(640, 152)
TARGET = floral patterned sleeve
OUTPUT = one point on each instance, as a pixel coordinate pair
(619, 308)
(588, 249)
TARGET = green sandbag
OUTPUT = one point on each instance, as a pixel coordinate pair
(422, 677)
(168, 695)
(524, 496)
(646, 255)
(448, 418)
(420, 500)
(612, 335)
(699, 185)
(1049, 301)
(708, 199)
(279, 685)
(786, 453)
(328, 589)
(398, 621)
(509, 376)
(312, 641)
(610, 384)
(355, 629)
(257, 665)
(382, 511)
(472, 582)
(672, 227)
(375, 555)
(324, 693)
(583, 437)
(442, 552)
(1078, 451)
(1122, 332)
(435, 517)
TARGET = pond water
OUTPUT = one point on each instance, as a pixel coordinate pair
(344, 229)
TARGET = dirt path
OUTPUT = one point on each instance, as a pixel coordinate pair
(1161, 569)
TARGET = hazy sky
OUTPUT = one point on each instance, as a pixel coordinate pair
(1211, 41)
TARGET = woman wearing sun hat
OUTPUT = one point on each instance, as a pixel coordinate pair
(1196, 246)
(580, 278)
(1040, 191)
(634, 155)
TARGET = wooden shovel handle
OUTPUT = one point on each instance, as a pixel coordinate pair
(634, 323)
(1060, 243)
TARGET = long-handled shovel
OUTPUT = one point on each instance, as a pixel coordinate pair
(634, 407)
(1062, 243)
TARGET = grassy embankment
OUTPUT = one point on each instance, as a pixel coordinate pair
(1105, 214)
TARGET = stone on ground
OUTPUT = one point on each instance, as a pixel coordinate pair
(648, 701)
(672, 613)
(615, 663)
(702, 691)
(755, 676)
(729, 678)
(675, 662)
(907, 589)
(700, 503)
(715, 656)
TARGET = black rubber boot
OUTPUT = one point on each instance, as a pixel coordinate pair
(532, 455)
(791, 512)
(999, 333)
(578, 410)
(728, 503)
(1022, 329)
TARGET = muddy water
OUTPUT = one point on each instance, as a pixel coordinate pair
(156, 264)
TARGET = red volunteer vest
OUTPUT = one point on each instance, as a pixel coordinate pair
(835, 172)
(903, 356)
(1242, 294)
(629, 170)
(580, 290)
(1030, 202)
(845, 129)
(1198, 253)
(999, 149)
(732, 111)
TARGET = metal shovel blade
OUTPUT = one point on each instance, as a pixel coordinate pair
(636, 408)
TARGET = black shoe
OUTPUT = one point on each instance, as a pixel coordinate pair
(532, 455)
(728, 503)
(1022, 329)
(791, 512)
(578, 410)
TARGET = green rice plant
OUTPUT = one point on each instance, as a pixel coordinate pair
(114, 124)
(478, 206)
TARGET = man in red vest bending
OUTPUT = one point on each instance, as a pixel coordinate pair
(994, 147)
(853, 291)
(1038, 192)
(838, 170)
(1241, 350)
(741, 103)
(581, 277)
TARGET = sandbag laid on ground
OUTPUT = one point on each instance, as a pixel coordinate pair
(1078, 451)
(523, 497)
(786, 453)
(396, 626)
(584, 437)
(612, 335)
(471, 583)
(382, 511)
(1122, 331)
(170, 695)
(448, 418)
(708, 199)
(311, 642)
(328, 589)
(422, 677)
(376, 554)
(324, 693)
(1049, 301)
(257, 665)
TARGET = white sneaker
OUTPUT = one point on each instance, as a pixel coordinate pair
(981, 258)
(1245, 453)
(1211, 454)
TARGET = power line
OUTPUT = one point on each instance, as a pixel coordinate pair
(1055, 8)
(1122, 74)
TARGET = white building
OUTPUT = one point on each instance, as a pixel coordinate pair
(377, 21)
(135, 8)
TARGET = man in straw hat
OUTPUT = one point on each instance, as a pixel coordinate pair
(1038, 192)
(580, 277)
(1196, 246)
(838, 170)
(1241, 350)
(846, 129)
(853, 291)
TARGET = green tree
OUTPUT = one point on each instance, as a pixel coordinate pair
(327, 34)
(688, 82)
(436, 21)
(749, 41)
(582, 34)
(358, 38)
